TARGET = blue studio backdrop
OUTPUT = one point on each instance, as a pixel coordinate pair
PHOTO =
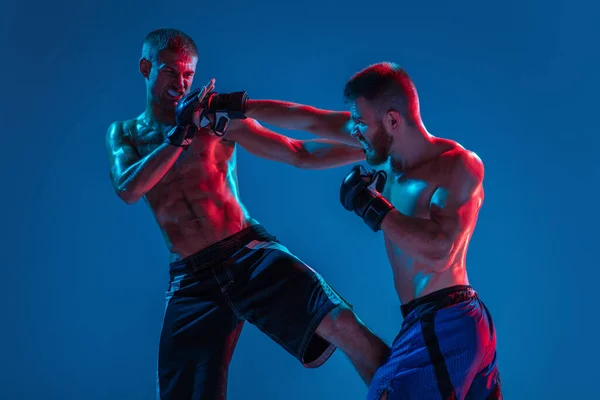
(84, 274)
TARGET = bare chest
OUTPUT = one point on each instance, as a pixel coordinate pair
(411, 195)
(206, 158)
(414, 192)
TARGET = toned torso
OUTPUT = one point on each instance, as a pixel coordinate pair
(196, 203)
(414, 193)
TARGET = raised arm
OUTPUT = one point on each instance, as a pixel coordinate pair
(309, 154)
(334, 125)
(132, 177)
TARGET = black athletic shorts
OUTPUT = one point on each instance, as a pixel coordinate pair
(250, 277)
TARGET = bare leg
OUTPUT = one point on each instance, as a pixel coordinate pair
(365, 350)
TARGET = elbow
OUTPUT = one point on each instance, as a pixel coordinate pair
(124, 190)
(304, 160)
(300, 157)
(299, 161)
(129, 197)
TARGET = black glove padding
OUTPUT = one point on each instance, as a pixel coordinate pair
(231, 104)
(368, 204)
(185, 130)
(224, 107)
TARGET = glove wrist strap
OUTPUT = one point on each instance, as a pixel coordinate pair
(376, 211)
(181, 135)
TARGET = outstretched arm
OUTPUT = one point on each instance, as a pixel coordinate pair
(309, 154)
(334, 125)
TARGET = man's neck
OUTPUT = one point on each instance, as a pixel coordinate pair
(414, 147)
(157, 115)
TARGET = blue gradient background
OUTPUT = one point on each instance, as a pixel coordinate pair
(84, 274)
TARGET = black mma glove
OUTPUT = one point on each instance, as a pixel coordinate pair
(185, 129)
(368, 204)
(224, 107)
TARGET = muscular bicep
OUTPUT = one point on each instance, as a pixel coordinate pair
(121, 154)
(334, 125)
(327, 124)
(455, 218)
(455, 206)
(263, 142)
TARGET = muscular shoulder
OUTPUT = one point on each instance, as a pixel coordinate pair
(466, 172)
(467, 165)
(114, 135)
(120, 131)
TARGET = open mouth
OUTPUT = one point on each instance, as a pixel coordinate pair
(175, 94)
(363, 141)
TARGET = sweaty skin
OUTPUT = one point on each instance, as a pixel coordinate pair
(193, 193)
(196, 201)
(437, 201)
(195, 204)
(436, 209)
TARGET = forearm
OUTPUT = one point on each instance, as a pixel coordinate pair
(142, 176)
(283, 114)
(323, 153)
(294, 116)
(419, 238)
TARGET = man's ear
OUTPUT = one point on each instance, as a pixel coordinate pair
(145, 67)
(392, 121)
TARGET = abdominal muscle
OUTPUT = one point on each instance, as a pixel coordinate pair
(414, 279)
(197, 209)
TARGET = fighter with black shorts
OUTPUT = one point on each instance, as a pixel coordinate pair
(225, 268)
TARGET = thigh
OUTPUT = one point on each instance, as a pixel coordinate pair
(408, 373)
(198, 337)
(284, 298)
(486, 384)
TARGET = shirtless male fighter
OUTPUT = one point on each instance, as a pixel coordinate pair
(425, 196)
(225, 267)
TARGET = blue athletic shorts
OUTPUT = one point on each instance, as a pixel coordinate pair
(446, 350)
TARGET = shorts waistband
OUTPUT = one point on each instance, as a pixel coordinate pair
(441, 298)
(220, 251)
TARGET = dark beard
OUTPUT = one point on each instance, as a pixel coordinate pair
(380, 147)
